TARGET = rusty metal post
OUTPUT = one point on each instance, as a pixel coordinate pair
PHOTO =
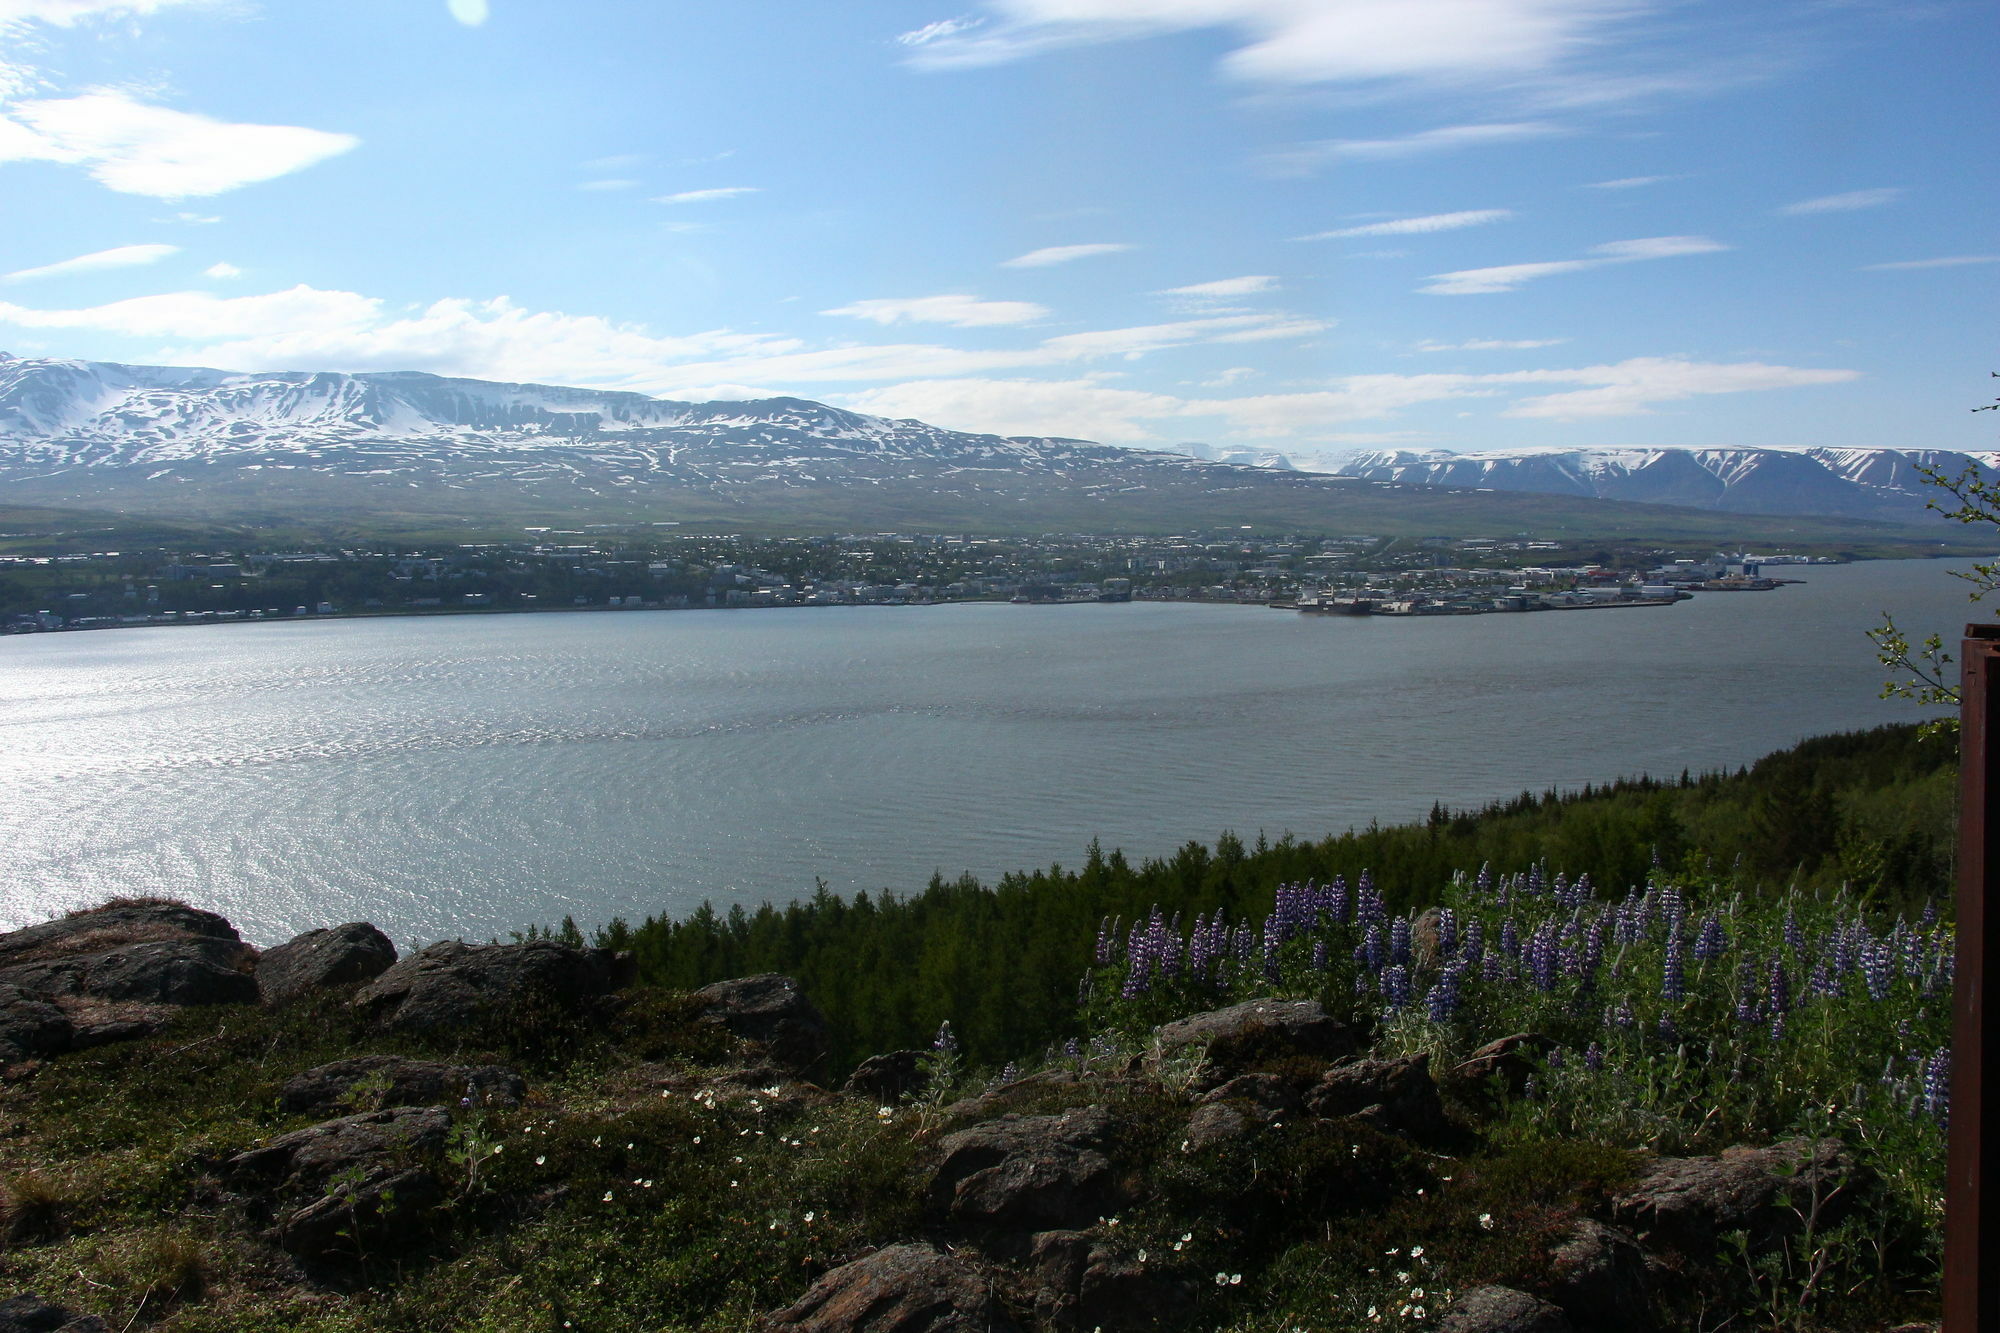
(1971, 1209)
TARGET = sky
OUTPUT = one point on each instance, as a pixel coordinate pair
(1311, 226)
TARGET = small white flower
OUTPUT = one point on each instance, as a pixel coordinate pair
(1416, 1312)
(1486, 1221)
(1235, 1279)
(809, 1217)
(607, 1196)
(1416, 1293)
(498, 1148)
(1222, 1279)
(697, 1138)
(1142, 1256)
(1417, 1251)
(541, 1161)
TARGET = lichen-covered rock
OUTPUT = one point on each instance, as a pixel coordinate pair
(1502, 1310)
(336, 956)
(1027, 1171)
(1511, 1059)
(1600, 1279)
(32, 1314)
(1394, 1095)
(455, 985)
(1688, 1202)
(771, 1010)
(888, 1077)
(116, 924)
(31, 1026)
(377, 1082)
(913, 1288)
(1235, 1039)
(339, 1188)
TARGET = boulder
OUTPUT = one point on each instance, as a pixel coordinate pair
(1600, 1279)
(455, 985)
(1022, 1092)
(336, 956)
(912, 1288)
(1502, 1310)
(1027, 1171)
(1119, 1292)
(31, 1026)
(1511, 1058)
(1394, 1095)
(1226, 1113)
(32, 1314)
(1687, 1202)
(119, 922)
(772, 1011)
(889, 1077)
(1213, 1125)
(1235, 1039)
(340, 1188)
(376, 1082)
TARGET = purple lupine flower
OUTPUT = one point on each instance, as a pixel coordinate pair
(1473, 947)
(1541, 956)
(1669, 1034)
(1673, 979)
(1368, 905)
(1510, 939)
(1072, 1049)
(1746, 992)
(1620, 1015)
(1712, 942)
(1336, 903)
(1878, 962)
(1593, 950)
(1399, 941)
(1930, 916)
(1493, 966)
(1795, 938)
(1484, 880)
(1593, 1058)
(1396, 986)
(1447, 934)
(1107, 931)
(1841, 954)
(1824, 981)
(1272, 936)
(1371, 947)
(1442, 999)
(1555, 1060)
(1534, 889)
(1319, 956)
(1778, 988)
(946, 1042)
(1937, 1085)
(1580, 890)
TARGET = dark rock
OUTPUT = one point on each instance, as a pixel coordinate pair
(31, 1026)
(888, 1078)
(367, 1176)
(1119, 1292)
(454, 985)
(1057, 1259)
(914, 1288)
(1502, 1310)
(32, 1314)
(1394, 1095)
(376, 1082)
(1014, 1096)
(1028, 1171)
(1601, 1280)
(176, 972)
(1687, 1202)
(1266, 1095)
(771, 1010)
(1511, 1058)
(101, 929)
(1213, 1125)
(1239, 1037)
(333, 957)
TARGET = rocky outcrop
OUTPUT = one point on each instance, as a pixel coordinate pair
(1688, 1202)
(337, 956)
(454, 985)
(772, 1011)
(1394, 1095)
(1027, 1172)
(1510, 1059)
(339, 1188)
(1600, 1279)
(889, 1077)
(1502, 1310)
(32, 1314)
(377, 1082)
(1085, 1282)
(31, 1026)
(1235, 1040)
(912, 1288)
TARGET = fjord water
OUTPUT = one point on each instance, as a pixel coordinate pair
(468, 776)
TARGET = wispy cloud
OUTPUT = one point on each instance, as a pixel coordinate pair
(472, 13)
(222, 269)
(1507, 277)
(1063, 254)
(136, 148)
(1852, 201)
(1491, 345)
(68, 13)
(961, 311)
(123, 256)
(1304, 158)
(1632, 388)
(940, 31)
(1629, 182)
(709, 196)
(1943, 261)
(1475, 217)
(1223, 288)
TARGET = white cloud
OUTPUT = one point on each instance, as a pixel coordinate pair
(613, 183)
(1308, 157)
(471, 13)
(1301, 41)
(1079, 409)
(222, 269)
(1475, 217)
(937, 32)
(123, 256)
(1062, 254)
(1629, 182)
(135, 148)
(1491, 345)
(1507, 277)
(965, 312)
(1947, 261)
(1850, 202)
(1225, 287)
(708, 196)
(1631, 388)
(68, 13)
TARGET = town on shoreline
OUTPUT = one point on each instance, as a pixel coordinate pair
(1356, 574)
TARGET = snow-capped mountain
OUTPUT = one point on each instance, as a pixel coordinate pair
(1856, 483)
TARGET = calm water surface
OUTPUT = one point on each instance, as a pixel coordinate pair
(470, 775)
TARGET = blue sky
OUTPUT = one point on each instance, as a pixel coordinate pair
(1310, 225)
